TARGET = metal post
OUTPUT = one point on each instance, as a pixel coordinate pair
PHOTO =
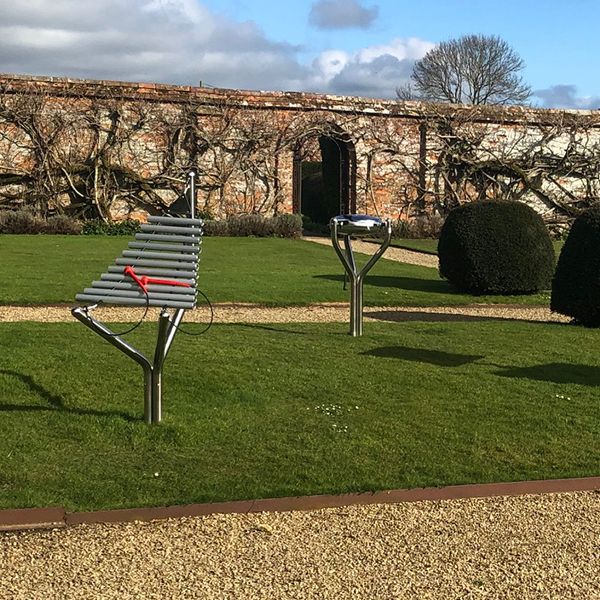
(344, 225)
(192, 193)
(148, 396)
(159, 358)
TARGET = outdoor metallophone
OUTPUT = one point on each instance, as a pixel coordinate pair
(158, 269)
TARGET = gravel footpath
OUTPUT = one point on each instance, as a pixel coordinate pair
(399, 254)
(520, 548)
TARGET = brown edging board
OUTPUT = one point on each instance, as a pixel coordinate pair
(31, 518)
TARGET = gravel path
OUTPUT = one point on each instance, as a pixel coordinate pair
(520, 548)
(315, 313)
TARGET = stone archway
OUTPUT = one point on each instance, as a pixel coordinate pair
(324, 176)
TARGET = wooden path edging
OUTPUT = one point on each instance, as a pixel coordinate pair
(57, 517)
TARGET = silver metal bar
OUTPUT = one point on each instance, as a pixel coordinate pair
(175, 247)
(123, 279)
(154, 262)
(339, 252)
(175, 321)
(377, 255)
(143, 254)
(139, 294)
(176, 221)
(95, 298)
(349, 253)
(167, 289)
(183, 274)
(191, 231)
(157, 237)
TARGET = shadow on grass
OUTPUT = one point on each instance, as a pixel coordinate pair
(284, 329)
(56, 402)
(271, 328)
(415, 315)
(404, 283)
(433, 357)
(555, 373)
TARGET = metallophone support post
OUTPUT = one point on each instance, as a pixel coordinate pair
(358, 226)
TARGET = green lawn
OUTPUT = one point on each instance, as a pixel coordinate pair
(52, 269)
(259, 411)
(428, 246)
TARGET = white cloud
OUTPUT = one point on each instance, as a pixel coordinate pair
(170, 41)
(410, 49)
(183, 42)
(565, 96)
(375, 71)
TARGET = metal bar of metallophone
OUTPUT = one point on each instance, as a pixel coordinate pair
(187, 274)
(155, 262)
(123, 279)
(138, 294)
(172, 289)
(94, 298)
(156, 237)
(191, 231)
(177, 221)
(175, 247)
(160, 255)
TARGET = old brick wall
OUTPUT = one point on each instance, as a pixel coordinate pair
(114, 149)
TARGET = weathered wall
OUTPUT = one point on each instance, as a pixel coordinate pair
(119, 149)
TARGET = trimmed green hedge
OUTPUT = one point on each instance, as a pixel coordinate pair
(576, 283)
(496, 248)
(255, 225)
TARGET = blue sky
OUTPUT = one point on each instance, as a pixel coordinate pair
(354, 47)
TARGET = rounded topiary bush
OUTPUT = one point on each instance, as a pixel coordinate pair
(576, 283)
(496, 248)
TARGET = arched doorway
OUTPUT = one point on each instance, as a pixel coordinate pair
(324, 177)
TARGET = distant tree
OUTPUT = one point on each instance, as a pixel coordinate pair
(473, 69)
(406, 92)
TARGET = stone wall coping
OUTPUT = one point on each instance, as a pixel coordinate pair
(296, 101)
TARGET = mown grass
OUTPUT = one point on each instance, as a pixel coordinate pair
(52, 269)
(428, 246)
(270, 410)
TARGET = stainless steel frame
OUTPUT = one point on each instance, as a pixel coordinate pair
(167, 328)
(358, 225)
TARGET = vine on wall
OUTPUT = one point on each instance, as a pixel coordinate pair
(102, 157)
